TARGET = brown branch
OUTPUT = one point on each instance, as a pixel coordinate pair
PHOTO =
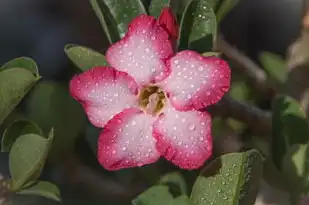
(258, 120)
(95, 183)
(256, 74)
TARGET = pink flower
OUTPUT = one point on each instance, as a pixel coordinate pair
(147, 102)
(167, 20)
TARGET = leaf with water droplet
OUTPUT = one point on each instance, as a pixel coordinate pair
(15, 83)
(27, 157)
(23, 62)
(116, 15)
(290, 127)
(85, 58)
(232, 179)
(16, 129)
(44, 189)
(198, 27)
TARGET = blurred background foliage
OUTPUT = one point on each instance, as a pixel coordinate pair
(42, 29)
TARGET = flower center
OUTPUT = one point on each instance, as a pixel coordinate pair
(151, 99)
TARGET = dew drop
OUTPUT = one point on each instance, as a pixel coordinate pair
(192, 127)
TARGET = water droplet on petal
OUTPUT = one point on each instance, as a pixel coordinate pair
(192, 127)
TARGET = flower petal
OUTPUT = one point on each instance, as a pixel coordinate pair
(184, 138)
(104, 92)
(196, 81)
(168, 21)
(142, 51)
(127, 141)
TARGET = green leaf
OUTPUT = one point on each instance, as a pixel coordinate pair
(290, 126)
(106, 20)
(119, 13)
(50, 105)
(16, 129)
(207, 54)
(43, 188)
(85, 58)
(156, 195)
(295, 167)
(225, 7)
(178, 7)
(181, 200)
(198, 27)
(275, 66)
(156, 7)
(231, 179)
(23, 62)
(175, 181)
(15, 83)
(27, 158)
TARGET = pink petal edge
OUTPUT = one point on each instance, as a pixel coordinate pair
(126, 141)
(143, 51)
(103, 92)
(196, 81)
(184, 138)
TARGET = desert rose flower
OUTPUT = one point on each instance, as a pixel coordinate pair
(148, 100)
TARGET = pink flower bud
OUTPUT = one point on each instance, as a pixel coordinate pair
(168, 21)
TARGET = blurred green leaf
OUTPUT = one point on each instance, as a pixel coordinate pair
(16, 129)
(23, 62)
(295, 167)
(156, 7)
(274, 177)
(198, 27)
(85, 58)
(43, 188)
(225, 7)
(239, 90)
(207, 54)
(275, 66)
(290, 126)
(50, 105)
(159, 195)
(27, 158)
(229, 180)
(118, 14)
(175, 181)
(15, 83)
